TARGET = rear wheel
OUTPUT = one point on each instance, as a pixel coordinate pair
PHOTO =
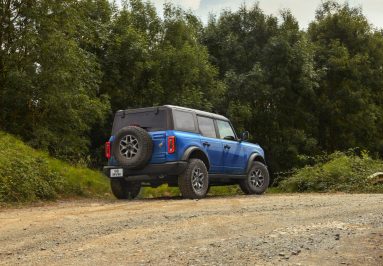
(257, 180)
(194, 181)
(123, 189)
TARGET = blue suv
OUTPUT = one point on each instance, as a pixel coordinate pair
(182, 147)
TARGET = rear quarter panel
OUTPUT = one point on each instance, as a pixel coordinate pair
(184, 140)
(159, 154)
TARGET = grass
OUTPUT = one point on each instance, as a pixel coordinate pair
(166, 191)
(341, 172)
(161, 191)
(28, 175)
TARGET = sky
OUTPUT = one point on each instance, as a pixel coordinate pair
(303, 10)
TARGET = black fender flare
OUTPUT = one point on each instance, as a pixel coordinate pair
(192, 149)
(254, 157)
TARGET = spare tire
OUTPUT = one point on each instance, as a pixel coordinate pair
(132, 147)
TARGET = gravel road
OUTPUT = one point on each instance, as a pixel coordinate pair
(304, 229)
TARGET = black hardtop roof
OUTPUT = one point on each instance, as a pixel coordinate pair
(174, 107)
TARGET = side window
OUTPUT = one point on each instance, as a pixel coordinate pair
(183, 121)
(206, 126)
(225, 130)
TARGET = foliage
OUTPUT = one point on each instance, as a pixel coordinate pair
(150, 61)
(67, 66)
(346, 173)
(269, 69)
(349, 57)
(161, 191)
(166, 191)
(49, 84)
(27, 175)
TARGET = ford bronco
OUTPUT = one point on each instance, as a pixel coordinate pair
(182, 147)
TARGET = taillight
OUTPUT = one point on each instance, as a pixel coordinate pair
(107, 149)
(171, 144)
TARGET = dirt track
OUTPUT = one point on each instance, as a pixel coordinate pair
(301, 229)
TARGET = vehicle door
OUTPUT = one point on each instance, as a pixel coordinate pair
(234, 157)
(211, 144)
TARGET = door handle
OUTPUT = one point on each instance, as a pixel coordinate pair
(206, 144)
(227, 147)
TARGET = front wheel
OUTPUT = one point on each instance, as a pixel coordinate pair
(194, 181)
(123, 189)
(257, 180)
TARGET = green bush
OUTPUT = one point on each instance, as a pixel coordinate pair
(341, 172)
(27, 175)
(225, 190)
(161, 191)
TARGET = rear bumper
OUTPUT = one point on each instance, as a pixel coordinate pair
(170, 168)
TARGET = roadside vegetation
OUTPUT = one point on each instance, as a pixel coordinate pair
(67, 66)
(338, 172)
(27, 175)
(299, 92)
(165, 191)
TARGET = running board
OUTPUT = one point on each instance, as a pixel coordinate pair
(213, 177)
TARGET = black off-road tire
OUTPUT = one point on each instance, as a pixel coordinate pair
(257, 180)
(143, 152)
(123, 189)
(185, 180)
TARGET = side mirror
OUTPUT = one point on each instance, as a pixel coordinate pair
(229, 138)
(245, 136)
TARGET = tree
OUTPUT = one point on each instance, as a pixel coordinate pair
(269, 70)
(185, 72)
(349, 56)
(67, 66)
(150, 61)
(49, 84)
(128, 65)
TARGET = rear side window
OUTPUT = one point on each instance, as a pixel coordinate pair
(206, 126)
(183, 121)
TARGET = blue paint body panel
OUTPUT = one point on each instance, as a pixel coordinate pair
(229, 157)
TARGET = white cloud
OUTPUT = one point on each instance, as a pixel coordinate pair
(192, 4)
(303, 10)
(186, 4)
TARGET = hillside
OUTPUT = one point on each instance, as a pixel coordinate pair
(28, 175)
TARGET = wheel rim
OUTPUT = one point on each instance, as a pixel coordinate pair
(257, 179)
(129, 147)
(198, 178)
